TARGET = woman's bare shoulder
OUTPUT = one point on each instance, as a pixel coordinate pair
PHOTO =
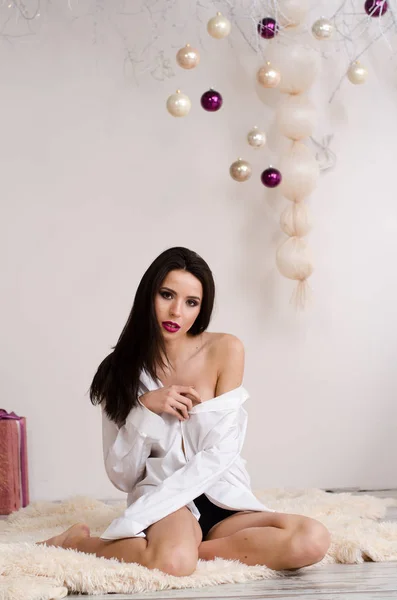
(224, 344)
(227, 356)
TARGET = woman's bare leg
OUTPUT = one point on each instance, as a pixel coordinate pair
(78, 537)
(278, 540)
(171, 544)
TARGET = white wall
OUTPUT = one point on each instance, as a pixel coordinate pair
(97, 179)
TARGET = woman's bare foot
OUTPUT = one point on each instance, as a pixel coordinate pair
(68, 538)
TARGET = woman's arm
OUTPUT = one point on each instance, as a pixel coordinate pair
(222, 447)
(126, 449)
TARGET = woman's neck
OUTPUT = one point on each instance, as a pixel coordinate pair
(181, 350)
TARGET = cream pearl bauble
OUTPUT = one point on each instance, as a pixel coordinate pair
(323, 29)
(240, 170)
(219, 26)
(357, 74)
(256, 138)
(268, 76)
(178, 105)
(188, 57)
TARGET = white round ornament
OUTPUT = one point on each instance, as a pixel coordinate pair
(178, 104)
(323, 29)
(219, 26)
(357, 74)
(256, 138)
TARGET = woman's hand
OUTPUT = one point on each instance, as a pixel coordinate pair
(175, 400)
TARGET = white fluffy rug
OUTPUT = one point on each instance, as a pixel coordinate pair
(30, 572)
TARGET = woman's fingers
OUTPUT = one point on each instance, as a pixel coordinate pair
(181, 408)
(180, 400)
(189, 391)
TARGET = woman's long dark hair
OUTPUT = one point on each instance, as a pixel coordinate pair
(141, 345)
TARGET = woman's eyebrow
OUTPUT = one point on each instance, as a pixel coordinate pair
(173, 292)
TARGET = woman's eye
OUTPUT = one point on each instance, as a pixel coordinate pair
(168, 296)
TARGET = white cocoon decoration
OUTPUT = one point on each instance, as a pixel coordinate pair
(294, 259)
(300, 172)
(291, 12)
(295, 220)
(296, 117)
(297, 64)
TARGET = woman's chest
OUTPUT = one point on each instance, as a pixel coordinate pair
(200, 372)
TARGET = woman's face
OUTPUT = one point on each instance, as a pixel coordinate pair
(178, 303)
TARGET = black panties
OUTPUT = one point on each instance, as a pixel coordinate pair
(210, 514)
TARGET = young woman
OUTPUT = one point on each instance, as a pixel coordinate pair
(173, 427)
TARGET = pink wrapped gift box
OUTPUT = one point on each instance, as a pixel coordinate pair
(14, 481)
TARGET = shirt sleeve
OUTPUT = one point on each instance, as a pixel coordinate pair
(221, 447)
(126, 449)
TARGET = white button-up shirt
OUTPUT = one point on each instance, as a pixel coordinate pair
(164, 464)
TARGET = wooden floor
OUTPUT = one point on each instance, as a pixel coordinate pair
(367, 581)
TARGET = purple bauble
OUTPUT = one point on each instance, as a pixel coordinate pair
(211, 101)
(267, 28)
(376, 8)
(271, 177)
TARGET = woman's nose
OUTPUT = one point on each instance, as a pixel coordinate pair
(176, 310)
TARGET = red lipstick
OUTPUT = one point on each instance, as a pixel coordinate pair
(170, 326)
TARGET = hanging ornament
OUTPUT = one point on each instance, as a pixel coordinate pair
(294, 260)
(357, 74)
(188, 57)
(376, 8)
(291, 13)
(300, 171)
(268, 76)
(240, 170)
(296, 117)
(219, 26)
(323, 29)
(295, 220)
(298, 64)
(271, 177)
(211, 100)
(178, 105)
(268, 28)
(256, 138)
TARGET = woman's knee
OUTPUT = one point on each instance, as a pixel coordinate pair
(179, 561)
(311, 542)
(173, 544)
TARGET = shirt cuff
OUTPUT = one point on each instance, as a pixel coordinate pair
(123, 528)
(146, 422)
